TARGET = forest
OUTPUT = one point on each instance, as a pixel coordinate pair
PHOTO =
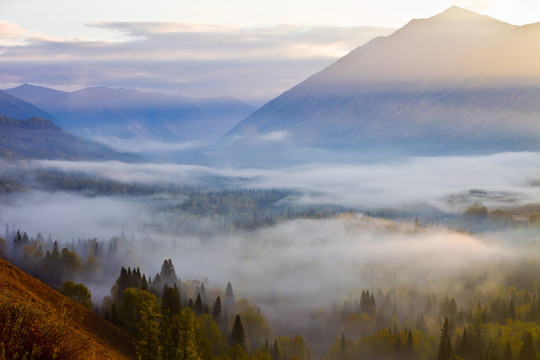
(487, 312)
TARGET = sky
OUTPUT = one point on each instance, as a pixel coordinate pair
(247, 49)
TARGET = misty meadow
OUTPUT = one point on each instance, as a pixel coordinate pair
(386, 207)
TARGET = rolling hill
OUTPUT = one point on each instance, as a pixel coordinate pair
(128, 113)
(74, 329)
(454, 83)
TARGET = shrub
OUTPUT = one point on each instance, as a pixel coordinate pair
(28, 331)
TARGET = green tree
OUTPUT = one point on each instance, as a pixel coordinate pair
(169, 335)
(527, 351)
(216, 311)
(238, 336)
(171, 300)
(147, 345)
(167, 274)
(78, 293)
(187, 337)
(445, 345)
(507, 354)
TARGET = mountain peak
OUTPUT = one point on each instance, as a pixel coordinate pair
(458, 12)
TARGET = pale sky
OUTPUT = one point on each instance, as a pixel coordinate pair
(253, 50)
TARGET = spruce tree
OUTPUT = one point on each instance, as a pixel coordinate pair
(527, 351)
(216, 312)
(167, 274)
(507, 355)
(171, 303)
(198, 306)
(445, 345)
(238, 336)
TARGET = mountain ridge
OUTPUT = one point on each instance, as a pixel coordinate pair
(16, 108)
(417, 91)
(126, 113)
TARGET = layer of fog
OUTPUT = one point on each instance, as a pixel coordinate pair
(505, 177)
(289, 269)
(297, 265)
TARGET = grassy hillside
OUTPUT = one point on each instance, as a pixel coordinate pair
(34, 315)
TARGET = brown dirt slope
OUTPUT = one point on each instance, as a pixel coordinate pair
(103, 339)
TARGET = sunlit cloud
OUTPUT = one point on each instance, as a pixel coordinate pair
(198, 60)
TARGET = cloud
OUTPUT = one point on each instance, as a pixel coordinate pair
(10, 30)
(184, 58)
(146, 146)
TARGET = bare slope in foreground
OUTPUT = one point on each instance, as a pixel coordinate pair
(103, 339)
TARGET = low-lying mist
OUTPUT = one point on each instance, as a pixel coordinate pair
(291, 268)
(390, 184)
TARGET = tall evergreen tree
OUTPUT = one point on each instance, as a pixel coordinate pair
(527, 351)
(216, 311)
(507, 354)
(230, 301)
(238, 336)
(167, 274)
(170, 303)
(198, 306)
(445, 345)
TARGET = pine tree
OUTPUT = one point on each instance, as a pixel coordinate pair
(171, 303)
(169, 336)
(275, 354)
(167, 274)
(445, 345)
(216, 312)
(238, 336)
(198, 306)
(507, 355)
(527, 351)
(230, 301)
(410, 343)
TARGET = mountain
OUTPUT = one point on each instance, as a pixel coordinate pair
(77, 332)
(454, 83)
(125, 113)
(38, 138)
(15, 108)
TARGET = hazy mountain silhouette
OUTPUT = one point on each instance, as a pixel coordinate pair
(126, 113)
(15, 108)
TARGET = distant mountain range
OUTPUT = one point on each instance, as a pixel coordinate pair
(38, 138)
(455, 83)
(127, 113)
